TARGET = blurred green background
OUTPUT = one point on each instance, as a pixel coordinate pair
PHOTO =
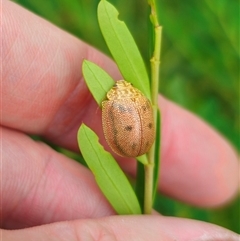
(199, 66)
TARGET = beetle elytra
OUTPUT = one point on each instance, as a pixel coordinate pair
(127, 119)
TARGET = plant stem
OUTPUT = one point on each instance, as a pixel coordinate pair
(155, 62)
(148, 188)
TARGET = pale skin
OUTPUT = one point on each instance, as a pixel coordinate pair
(43, 93)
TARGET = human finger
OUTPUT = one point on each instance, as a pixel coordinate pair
(121, 228)
(47, 96)
(39, 185)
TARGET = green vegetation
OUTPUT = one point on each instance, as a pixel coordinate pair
(199, 65)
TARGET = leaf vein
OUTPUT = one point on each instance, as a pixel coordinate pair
(96, 78)
(122, 46)
(113, 184)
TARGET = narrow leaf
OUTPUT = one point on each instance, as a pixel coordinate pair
(123, 47)
(143, 159)
(97, 80)
(109, 176)
(140, 182)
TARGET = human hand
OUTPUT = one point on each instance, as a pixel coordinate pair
(43, 93)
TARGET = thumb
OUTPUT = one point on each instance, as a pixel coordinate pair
(121, 228)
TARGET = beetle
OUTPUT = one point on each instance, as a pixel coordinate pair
(127, 120)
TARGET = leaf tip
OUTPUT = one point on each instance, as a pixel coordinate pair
(84, 63)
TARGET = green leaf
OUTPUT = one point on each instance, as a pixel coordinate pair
(143, 159)
(109, 176)
(140, 184)
(157, 154)
(123, 47)
(97, 80)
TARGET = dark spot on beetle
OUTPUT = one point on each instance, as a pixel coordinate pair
(144, 108)
(147, 105)
(134, 145)
(121, 108)
(115, 131)
(147, 143)
(150, 125)
(128, 128)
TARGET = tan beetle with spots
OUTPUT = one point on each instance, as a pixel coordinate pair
(127, 119)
